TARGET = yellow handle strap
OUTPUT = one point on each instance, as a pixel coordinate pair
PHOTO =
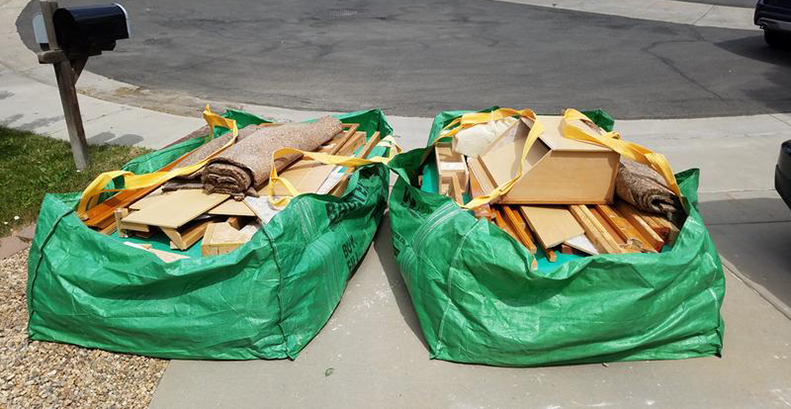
(325, 158)
(474, 118)
(613, 140)
(90, 196)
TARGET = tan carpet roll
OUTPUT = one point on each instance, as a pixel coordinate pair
(240, 169)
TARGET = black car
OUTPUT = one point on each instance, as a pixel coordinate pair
(783, 173)
(774, 17)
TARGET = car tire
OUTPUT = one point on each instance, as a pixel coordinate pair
(776, 39)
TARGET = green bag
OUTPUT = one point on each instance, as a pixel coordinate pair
(478, 301)
(267, 299)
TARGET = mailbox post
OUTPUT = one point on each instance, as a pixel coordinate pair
(71, 36)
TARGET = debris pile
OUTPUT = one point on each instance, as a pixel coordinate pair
(556, 194)
(227, 200)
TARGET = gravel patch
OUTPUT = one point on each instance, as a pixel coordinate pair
(37, 374)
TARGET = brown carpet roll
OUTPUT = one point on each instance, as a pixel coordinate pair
(192, 181)
(646, 189)
(240, 169)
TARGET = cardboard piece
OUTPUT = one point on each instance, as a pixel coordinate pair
(551, 224)
(557, 170)
(176, 209)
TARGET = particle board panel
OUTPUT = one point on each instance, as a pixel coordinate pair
(232, 207)
(551, 224)
(177, 208)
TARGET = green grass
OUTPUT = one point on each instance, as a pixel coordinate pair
(31, 165)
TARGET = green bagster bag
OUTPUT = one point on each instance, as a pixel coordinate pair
(478, 301)
(267, 299)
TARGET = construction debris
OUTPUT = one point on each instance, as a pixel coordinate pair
(245, 165)
(564, 200)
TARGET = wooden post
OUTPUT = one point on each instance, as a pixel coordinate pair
(67, 80)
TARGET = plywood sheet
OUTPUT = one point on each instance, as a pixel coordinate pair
(552, 225)
(177, 208)
(232, 207)
(554, 138)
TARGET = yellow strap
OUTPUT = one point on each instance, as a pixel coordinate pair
(474, 118)
(613, 140)
(90, 195)
(325, 158)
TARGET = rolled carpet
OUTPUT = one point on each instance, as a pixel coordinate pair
(645, 189)
(192, 181)
(240, 169)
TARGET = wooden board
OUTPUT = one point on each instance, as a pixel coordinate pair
(184, 239)
(594, 230)
(520, 227)
(624, 229)
(551, 224)
(232, 207)
(222, 238)
(632, 215)
(177, 208)
(484, 211)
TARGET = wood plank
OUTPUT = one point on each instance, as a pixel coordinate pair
(185, 238)
(500, 221)
(456, 192)
(177, 209)
(222, 238)
(165, 256)
(483, 211)
(552, 224)
(119, 214)
(232, 207)
(520, 227)
(594, 230)
(483, 178)
(623, 228)
(633, 217)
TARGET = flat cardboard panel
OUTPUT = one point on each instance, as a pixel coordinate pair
(176, 208)
(551, 224)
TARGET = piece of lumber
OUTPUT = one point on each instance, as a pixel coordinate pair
(231, 207)
(165, 256)
(552, 224)
(658, 223)
(185, 238)
(632, 215)
(550, 254)
(337, 182)
(597, 234)
(222, 238)
(119, 214)
(624, 229)
(500, 221)
(483, 211)
(177, 208)
(520, 227)
(450, 163)
(456, 191)
(483, 178)
(626, 246)
(235, 222)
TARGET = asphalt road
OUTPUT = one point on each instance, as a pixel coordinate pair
(419, 57)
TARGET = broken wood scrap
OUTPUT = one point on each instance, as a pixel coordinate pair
(597, 234)
(484, 211)
(450, 164)
(165, 256)
(222, 238)
(521, 229)
(501, 222)
(624, 229)
(184, 238)
(632, 215)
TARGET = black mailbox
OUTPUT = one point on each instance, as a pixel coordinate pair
(89, 30)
